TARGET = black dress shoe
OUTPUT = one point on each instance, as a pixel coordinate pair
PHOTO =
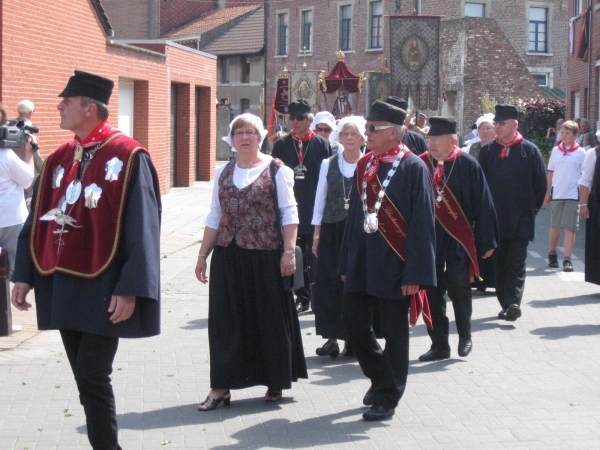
(502, 314)
(348, 350)
(330, 348)
(435, 355)
(368, 399)
(513, 312)
(464, 347)
(379, 413)
(301, 307)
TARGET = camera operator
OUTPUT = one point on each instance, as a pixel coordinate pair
(25, 109)
(15, 176)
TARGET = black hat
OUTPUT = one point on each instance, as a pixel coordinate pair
(397, 102)
(504, 112)
(441, 125)
(299, 108)
(84, 84)
(385, 112)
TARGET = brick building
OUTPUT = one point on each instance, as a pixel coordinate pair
(530, 38)
(584, 79)
(164, 92)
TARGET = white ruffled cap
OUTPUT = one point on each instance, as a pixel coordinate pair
(254, 120)
(324, 117)
(358, 121)
(486, 118)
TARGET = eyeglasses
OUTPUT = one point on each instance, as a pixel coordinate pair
(245, 133)
(373, 128)
(298, 118)
(324, 130)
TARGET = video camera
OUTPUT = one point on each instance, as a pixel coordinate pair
(14, 132)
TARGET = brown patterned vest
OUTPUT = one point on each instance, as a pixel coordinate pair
(248, 213)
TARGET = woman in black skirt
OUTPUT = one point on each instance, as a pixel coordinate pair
(336, 181)
(253, 329)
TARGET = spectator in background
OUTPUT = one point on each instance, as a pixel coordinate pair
(324, 124)
(559, 123)
(584, 128)
(589, 141)
(25, 109)
(15, 176)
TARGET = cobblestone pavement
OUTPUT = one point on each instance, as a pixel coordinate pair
(532, 384)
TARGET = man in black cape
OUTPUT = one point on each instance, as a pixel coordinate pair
(516, 175)
(466, 229)
(303, 150)
(386, 274)
(90, 248)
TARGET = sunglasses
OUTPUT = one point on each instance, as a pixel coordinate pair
(324, 130)
(373, 128)
(298, 118)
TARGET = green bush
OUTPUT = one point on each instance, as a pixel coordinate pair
(537, 115)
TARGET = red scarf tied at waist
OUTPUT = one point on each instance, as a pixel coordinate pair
(566, 150)
(438, 173)
(505, 147)
(388, 158)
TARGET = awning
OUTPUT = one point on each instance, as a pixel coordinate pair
(552, 92)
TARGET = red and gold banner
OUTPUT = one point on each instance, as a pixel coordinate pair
(282, 96)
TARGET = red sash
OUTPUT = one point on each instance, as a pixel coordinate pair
(91, 245)
(394, 229)
(450, 215)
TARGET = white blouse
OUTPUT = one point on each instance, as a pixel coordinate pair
(347, 170)
(587, 170)
(284, 181)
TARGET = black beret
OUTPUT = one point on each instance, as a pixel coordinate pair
(299, 108)
(84, 84)
(441, 125)
(397, 102)
(385, 112)
(504, 112)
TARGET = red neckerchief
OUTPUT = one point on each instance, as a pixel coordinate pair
(438, 173)
(307, 137)
(505, 147)
(388, 157)
(566, 150)
(98, 134)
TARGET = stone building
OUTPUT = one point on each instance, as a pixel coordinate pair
(525, 42)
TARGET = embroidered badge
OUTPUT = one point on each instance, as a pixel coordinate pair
(92, 195)
(113, 168)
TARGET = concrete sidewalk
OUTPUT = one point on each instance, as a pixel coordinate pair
(527, 385)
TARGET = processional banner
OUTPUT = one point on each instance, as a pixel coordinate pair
(415, 61)
(378, 86)
(282, 95)
(304, 84)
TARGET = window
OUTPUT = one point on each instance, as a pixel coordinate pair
(376, 15)
(474, 9)
(306, 32)
(224, 70)
(538, 33)
(578, 7)
(245, 63)
(245, 105)
(576, 103)
(345, 27)
(541, 79)
(282, 34)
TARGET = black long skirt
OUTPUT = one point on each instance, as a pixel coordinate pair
(592, 242)
(253, 329)
(329, 287)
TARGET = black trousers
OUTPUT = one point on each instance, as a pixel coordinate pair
(305, 242)
(452, 279)
(509, 265)
(91, 358)
(386, 368)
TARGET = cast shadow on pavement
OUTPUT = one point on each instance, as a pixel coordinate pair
(417, 366)
(566, 331)
(339, 370)
(198, 324)
(593, 299)
(490, 323)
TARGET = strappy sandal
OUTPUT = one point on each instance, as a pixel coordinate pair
(273, 395)
(211, 403)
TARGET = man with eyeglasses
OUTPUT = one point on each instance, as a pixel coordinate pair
(387, 256)
(303, 150)
(414, 140)
(324, 124)
(466, 230)
(516, 175)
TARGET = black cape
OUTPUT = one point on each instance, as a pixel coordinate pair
(465, 179)
(518, 186)
(71, 303)
(415, 142)
(315, 151)
(592, 230)
(368, 262)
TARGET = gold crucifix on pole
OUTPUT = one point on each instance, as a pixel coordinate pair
(304, 52)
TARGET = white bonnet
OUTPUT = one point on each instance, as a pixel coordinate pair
(358, 121)
(254, 120)
(323, 117)
(486, 118)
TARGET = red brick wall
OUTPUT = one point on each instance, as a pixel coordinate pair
(41, 72)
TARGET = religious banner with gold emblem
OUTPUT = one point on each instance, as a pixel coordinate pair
(282, 95)
(304, 84)
(415, 61)
(378, 86)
